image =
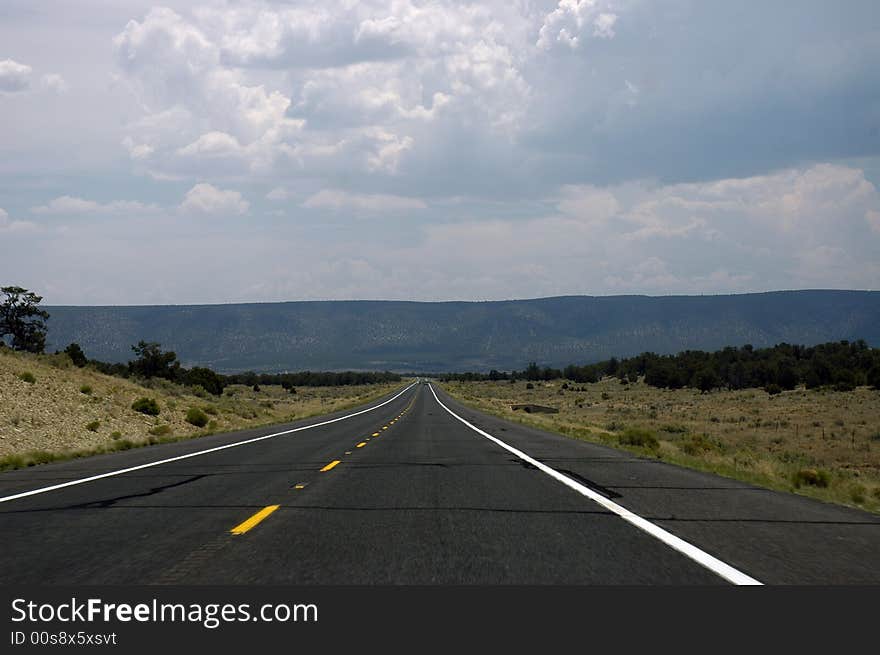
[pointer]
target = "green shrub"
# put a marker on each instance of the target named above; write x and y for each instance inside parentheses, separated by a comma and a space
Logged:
(212, 425)
(86, 389)
(196, 417)
(36, 457)
(857, 493)
(28, 377)
(210, 409)
(76, 354)
(205, 379)
(697, 444)
(12, 462)
(93, 426)
(529, 385)
(773, 389)
(811, 477)
(58, 360)
(639, 437)
(674, 429)
(116, 434)
(160, 430)
(146, 406)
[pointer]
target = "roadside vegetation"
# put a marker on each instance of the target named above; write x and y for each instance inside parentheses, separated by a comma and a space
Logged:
(66, 405)
(841, 366)
(60, 410)
(818, 442)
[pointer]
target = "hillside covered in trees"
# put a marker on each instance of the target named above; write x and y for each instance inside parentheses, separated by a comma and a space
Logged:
(464, 336)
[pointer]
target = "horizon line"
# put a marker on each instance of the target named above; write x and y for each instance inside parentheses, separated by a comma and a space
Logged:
(486, 301)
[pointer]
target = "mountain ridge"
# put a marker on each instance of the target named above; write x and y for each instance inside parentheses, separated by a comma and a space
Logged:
(408, 336)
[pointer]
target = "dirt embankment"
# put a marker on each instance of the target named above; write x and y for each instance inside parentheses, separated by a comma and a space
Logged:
(50, 408)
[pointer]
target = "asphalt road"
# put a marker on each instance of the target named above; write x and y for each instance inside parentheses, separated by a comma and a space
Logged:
(427, 501)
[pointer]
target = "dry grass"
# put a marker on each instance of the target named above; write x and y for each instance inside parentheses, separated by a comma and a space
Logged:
(823, 444)
(71, 412)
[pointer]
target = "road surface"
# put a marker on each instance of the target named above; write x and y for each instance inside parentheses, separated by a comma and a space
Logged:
(414, 488)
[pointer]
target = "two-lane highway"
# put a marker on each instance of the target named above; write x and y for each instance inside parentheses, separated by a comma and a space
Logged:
(414, 489)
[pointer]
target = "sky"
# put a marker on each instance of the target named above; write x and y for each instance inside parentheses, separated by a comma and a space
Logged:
(251, 151)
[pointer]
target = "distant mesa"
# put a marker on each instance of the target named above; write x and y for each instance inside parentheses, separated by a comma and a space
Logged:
(464, 336)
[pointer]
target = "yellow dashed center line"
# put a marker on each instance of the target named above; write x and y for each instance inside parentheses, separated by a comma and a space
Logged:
(260, 516)
(241, 528)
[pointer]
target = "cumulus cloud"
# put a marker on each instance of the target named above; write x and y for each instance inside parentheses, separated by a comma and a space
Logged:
(445, 95)
(71, 205)
(14, 77)
(603, 25)
(572, 20)
(137, 150)
(174, 69)
(212, 144)
(336, 199)
(366, 79)
(209, 200)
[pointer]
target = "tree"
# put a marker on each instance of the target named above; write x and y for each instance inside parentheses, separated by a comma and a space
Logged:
(612, 366)
(21, 318)
(874, 377)
(151, 362)
(532, 372)
(76, 354)
(706, 379)
(206, 378)
(786, 377)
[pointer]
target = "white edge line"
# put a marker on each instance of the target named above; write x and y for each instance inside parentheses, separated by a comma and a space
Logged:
(703, 558)
(71, 483)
